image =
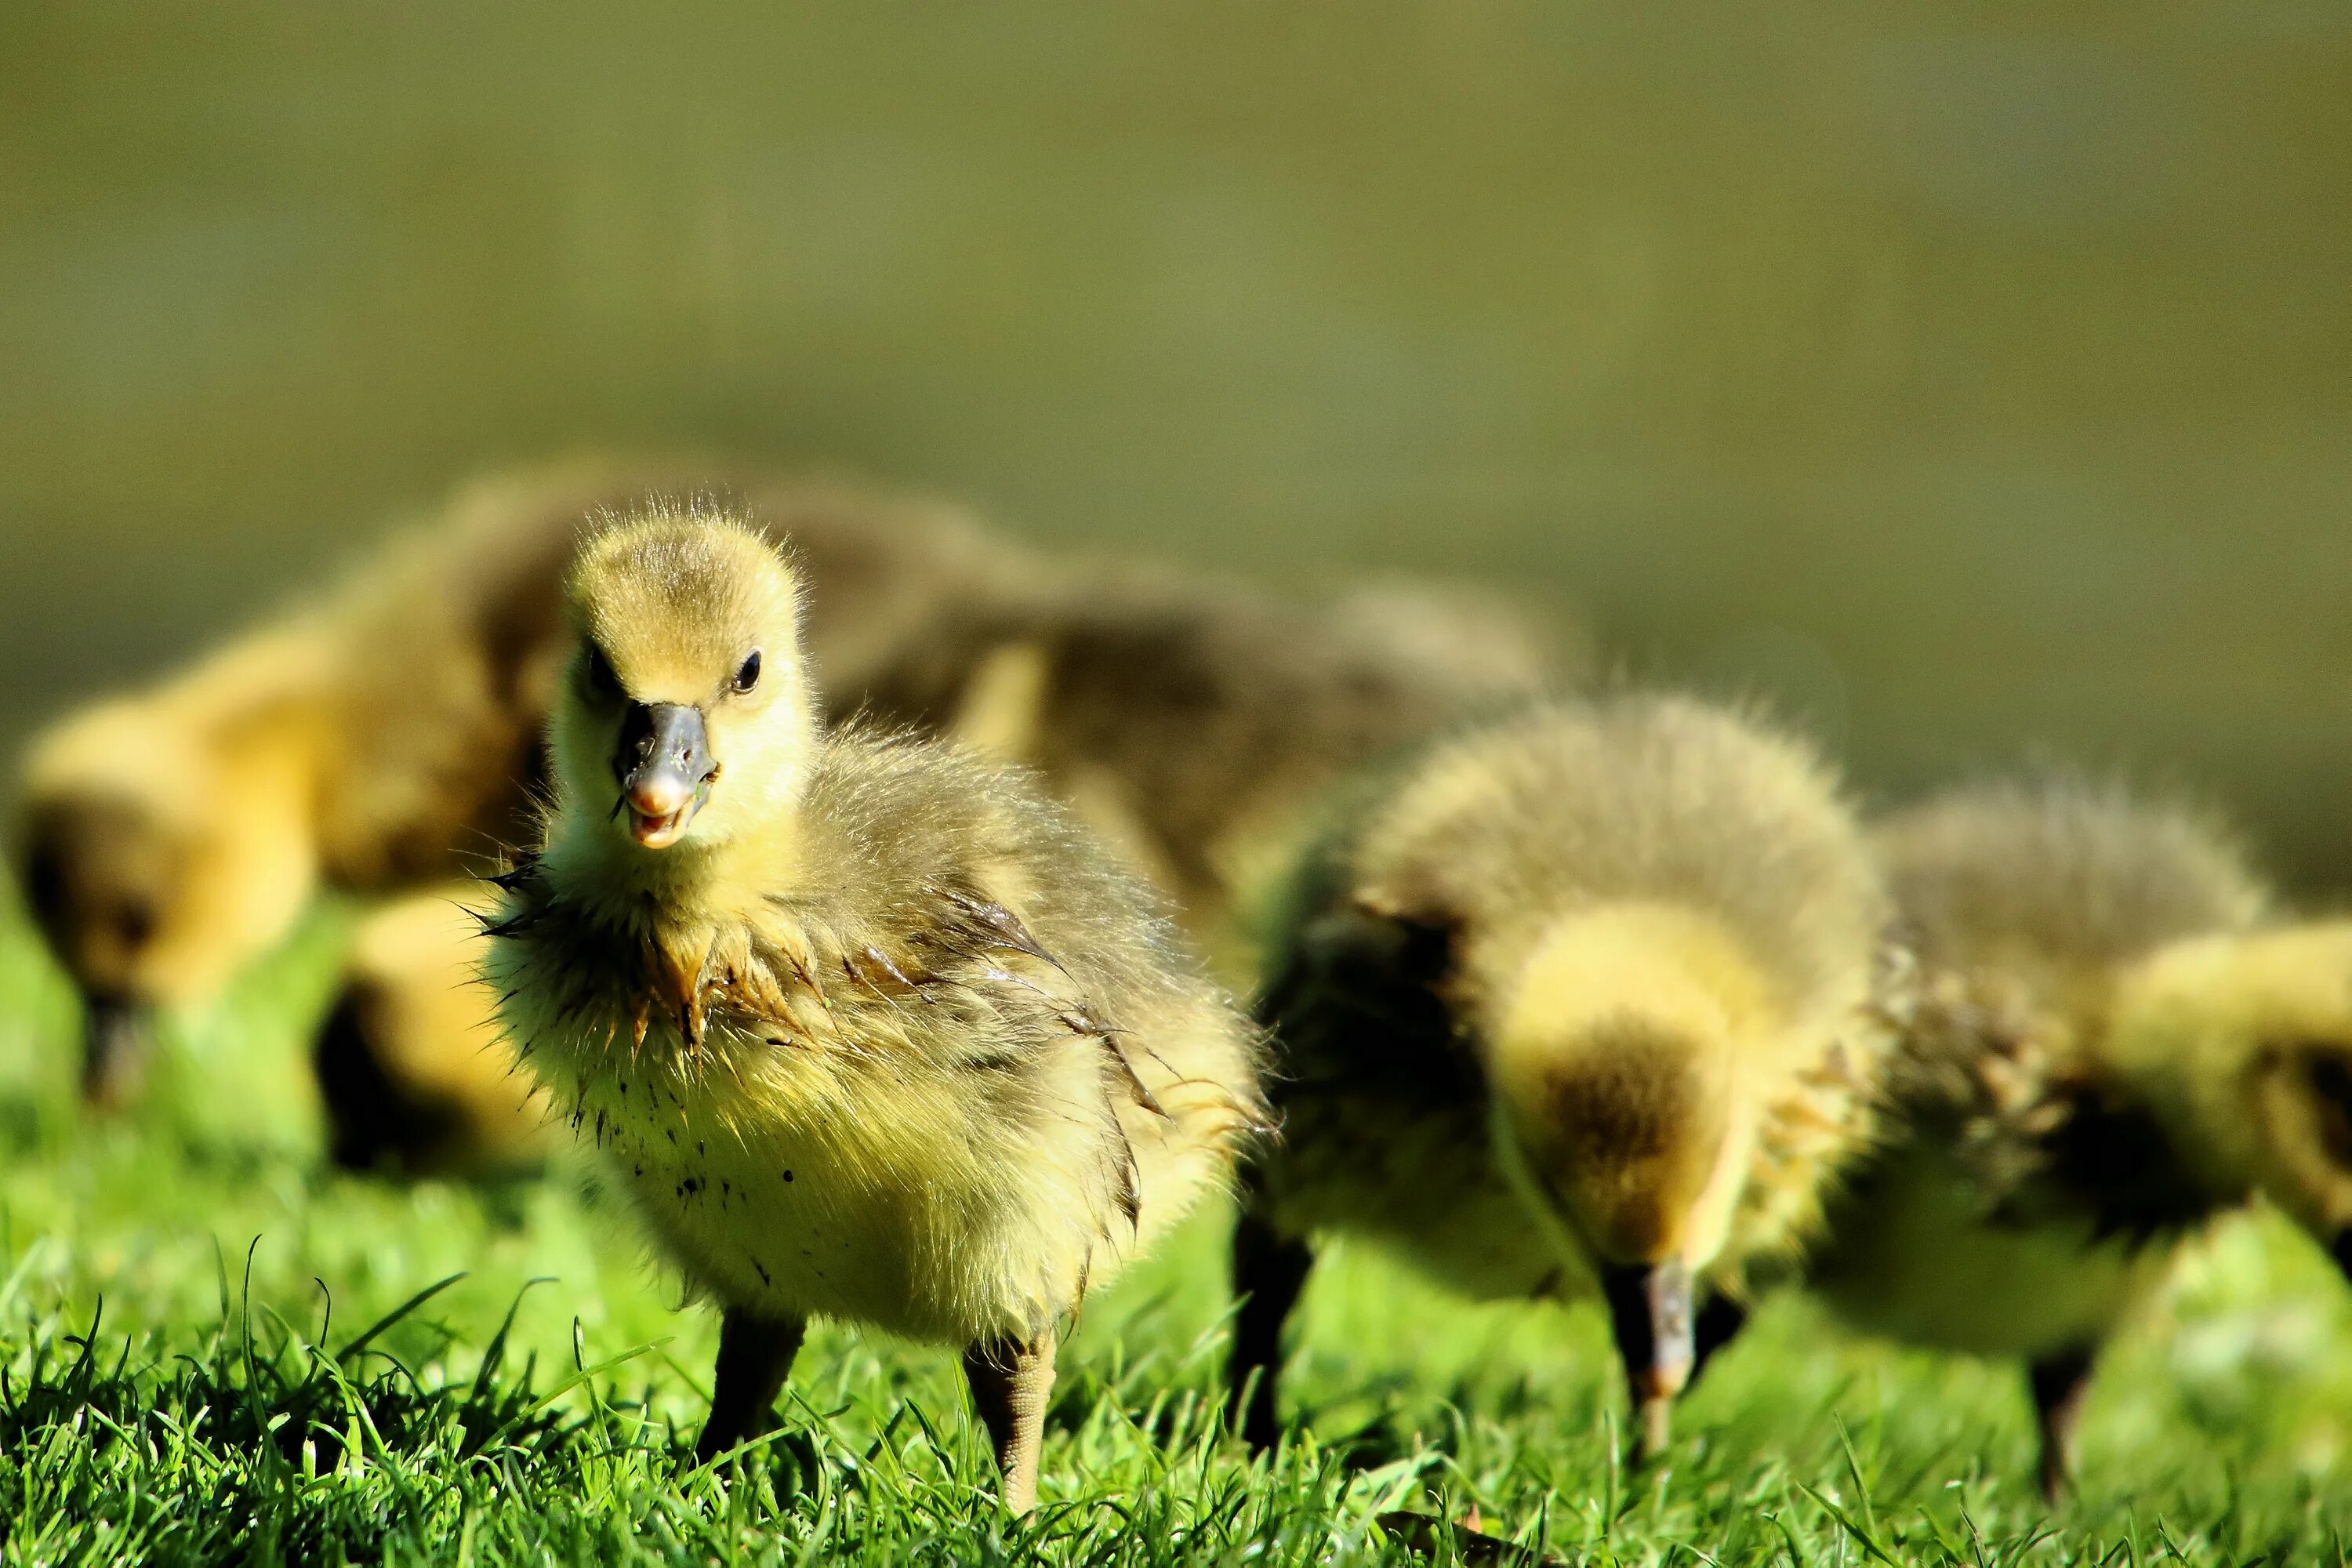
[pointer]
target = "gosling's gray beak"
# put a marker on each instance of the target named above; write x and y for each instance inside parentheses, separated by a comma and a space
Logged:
(116, 1035)
(663, 760)
(1650, 1306)
(2340, 1250)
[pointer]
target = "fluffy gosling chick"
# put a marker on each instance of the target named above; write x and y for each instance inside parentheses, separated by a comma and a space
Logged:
(866, 1027)
(1574, 1001)
(2103, 1053)
(160, 840)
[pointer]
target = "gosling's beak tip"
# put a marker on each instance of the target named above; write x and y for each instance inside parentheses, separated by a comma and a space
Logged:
(2340, 1250)
(658, 794)
(664, 764)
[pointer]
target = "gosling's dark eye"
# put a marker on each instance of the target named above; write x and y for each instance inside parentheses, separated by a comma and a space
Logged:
(45, 881)
(135, 922)
(747, 675)
(599, 676)
(2330, 1078)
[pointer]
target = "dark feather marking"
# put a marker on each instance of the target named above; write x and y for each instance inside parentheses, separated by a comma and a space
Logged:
(1136, 1087)
(1131, 1190)
(774, 953)
(875, 955)
(1001, 926)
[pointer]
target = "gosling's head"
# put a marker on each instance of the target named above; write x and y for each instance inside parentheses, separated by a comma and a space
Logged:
(2243, 1044)
(1619, 1104)
(155, 860)
(684, 719)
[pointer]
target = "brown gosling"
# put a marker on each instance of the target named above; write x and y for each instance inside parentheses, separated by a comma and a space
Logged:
(384, 734)
(2110, 1047)
(866, 1027)
(1575, 1001)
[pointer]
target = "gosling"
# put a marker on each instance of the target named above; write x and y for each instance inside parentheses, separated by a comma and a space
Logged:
(382, 735)
(866, 1027)
(2111, 1046)
(1575, 1001)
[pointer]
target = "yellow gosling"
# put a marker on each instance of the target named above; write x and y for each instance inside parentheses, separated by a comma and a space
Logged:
(1574, 1001)
(864, 1027)
(2105, 1051)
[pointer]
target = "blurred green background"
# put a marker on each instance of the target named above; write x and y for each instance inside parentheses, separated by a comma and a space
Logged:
(1976, 376)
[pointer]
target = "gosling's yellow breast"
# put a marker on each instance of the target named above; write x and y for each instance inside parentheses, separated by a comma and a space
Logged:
(881, 1098)
(792, 1177)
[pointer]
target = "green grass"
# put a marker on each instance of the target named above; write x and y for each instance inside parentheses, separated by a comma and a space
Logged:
(210, 1349)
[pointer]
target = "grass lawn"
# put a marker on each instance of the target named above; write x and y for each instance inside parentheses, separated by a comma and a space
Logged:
(210, 1349)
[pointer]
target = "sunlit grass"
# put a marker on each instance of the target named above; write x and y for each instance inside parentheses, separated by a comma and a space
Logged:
(210, 1349)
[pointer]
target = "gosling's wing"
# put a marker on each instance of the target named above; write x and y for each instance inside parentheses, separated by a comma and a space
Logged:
(1356, 1004)
(920, 949)
(1979, 1068)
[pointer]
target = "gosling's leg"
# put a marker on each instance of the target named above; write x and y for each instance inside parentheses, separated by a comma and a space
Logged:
(2059, 1382)
(1270, 1271)
(1650, 1311)
(755, 1355)
(1011, 1382)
